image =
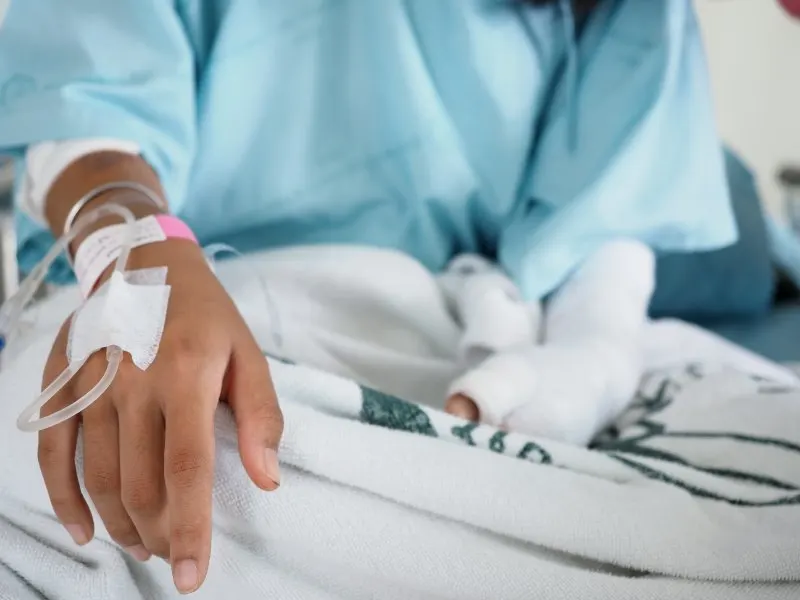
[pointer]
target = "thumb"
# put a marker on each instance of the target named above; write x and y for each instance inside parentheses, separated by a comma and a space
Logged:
(259, 420)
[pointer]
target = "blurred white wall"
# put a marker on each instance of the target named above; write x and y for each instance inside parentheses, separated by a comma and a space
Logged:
(754, 54)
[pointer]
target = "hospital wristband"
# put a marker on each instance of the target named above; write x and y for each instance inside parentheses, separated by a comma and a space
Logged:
(100, 249)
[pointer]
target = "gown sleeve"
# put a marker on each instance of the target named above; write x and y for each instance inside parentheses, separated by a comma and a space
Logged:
(121, 69)
(628, 148)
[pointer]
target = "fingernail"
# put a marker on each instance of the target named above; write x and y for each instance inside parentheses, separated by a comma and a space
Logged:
(78, 534)
(271, 467)
(184, 574)
(138, 552)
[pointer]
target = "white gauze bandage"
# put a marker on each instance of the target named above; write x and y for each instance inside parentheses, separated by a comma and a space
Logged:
(128, 312)
(488, 306)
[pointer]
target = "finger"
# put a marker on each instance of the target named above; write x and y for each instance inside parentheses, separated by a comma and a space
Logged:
(461, 406)
(56, 454)
(189, 473)
(144, 495)
(259, 420)
(101, 473)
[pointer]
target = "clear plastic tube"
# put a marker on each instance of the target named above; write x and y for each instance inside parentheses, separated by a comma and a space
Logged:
(12, 310)
(211, 252)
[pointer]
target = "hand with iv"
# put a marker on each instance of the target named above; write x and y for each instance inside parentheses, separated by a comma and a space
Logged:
(148, 442)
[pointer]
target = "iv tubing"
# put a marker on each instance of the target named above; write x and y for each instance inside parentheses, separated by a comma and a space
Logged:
(11, 312)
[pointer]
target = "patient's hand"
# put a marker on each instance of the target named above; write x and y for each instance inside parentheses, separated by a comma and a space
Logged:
(148, 443)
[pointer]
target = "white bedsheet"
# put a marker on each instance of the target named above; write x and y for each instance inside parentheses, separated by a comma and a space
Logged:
(696, 497)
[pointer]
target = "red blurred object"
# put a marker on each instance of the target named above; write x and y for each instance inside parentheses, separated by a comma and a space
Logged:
(792, 7)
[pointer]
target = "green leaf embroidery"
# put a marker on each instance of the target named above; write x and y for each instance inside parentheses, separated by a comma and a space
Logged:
(381, 409)
(497, 443)
(464, 432)
(535, 453)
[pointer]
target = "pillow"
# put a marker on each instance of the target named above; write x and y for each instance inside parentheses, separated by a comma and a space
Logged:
(733, 282)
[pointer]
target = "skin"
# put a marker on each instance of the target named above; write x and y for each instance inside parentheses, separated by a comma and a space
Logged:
(462, 406)
(149, 441)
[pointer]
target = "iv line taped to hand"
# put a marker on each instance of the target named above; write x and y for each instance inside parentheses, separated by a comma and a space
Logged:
(12, 310)
(107, 319)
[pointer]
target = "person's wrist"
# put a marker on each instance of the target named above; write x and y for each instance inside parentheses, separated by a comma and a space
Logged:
(172, 252)
(93, 172)
(175, 254)
(132, 200)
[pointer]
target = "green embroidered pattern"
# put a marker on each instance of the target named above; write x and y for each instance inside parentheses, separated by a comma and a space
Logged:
(627, 448)
(535, 453)
(627, 444)
(497, 442)
(464, 432)
(381, 409)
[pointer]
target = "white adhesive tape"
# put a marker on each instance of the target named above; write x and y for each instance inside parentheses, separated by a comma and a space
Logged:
(98, 251)
(128, 312)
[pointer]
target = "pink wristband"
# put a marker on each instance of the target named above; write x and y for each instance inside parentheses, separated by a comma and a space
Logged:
(175, 229)
(98, 251)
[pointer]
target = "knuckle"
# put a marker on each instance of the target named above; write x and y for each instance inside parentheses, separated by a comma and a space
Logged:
(268, 415)
(123, 533)
(129, 388)
(127, 375)
(142, 497)
(187, 345)
(185, 368)
(186, 468)
(159, 547)
(101, 483)
(155, 537)
(186, 534)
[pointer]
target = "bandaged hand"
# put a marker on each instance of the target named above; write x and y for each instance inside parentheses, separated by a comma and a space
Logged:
(148, 443)
(573, 378)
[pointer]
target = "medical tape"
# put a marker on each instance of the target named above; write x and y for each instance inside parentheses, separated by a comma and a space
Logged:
(129, 312)
(100, 249)
(125, 316)
(499, 385)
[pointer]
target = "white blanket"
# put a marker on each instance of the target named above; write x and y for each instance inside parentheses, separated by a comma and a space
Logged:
(695, 496)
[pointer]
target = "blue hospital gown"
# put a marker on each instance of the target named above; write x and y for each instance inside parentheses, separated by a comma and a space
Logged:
(429, 126)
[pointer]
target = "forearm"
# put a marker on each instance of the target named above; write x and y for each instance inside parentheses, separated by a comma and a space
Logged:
(94, 170)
